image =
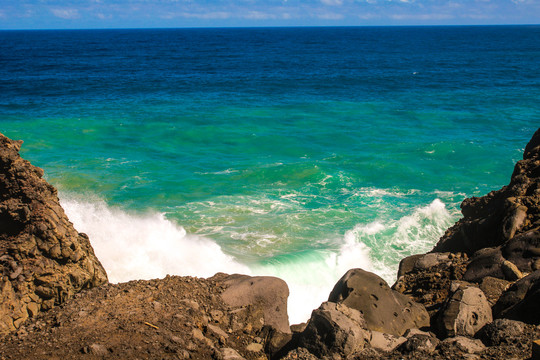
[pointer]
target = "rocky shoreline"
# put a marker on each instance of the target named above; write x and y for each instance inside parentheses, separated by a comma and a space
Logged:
(476, 295)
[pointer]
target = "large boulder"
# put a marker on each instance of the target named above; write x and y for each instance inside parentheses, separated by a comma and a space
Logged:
(496, 218)
(384, 309)
(464, 313)
(268, 293)
(335, 329)
(43, 260)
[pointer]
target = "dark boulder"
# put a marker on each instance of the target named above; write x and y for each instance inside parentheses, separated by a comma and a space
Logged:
(520, 301)
(334, 329)
(384, 309)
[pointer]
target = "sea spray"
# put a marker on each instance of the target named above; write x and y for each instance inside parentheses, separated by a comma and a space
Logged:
(144, 246)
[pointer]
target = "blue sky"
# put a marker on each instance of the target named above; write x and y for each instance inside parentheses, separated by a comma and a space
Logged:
(59, 14)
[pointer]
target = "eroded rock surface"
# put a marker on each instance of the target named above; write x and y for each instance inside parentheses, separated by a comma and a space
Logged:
(384, 309)
(43, 260)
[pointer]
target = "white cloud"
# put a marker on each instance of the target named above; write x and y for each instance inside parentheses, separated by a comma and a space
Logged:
(66, 13)
(330, 16)
(206, 16)
(332, 2)
(421, 16)
(103, 16)
(258, 15)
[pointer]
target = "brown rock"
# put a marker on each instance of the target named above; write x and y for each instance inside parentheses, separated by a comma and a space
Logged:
(334, 329)
(493, 219)
(36, 241)
(268, 292)
(384, 309)
(493, 288)
(464, 313)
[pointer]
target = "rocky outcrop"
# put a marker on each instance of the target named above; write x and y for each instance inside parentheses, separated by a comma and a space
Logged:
(43, 260)
(384, 309)
(507, 220)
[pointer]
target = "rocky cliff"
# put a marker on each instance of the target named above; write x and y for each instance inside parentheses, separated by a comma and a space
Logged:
(475, 296)
(44, 260)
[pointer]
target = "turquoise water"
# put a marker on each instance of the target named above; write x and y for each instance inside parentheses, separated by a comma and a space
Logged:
(298, 153)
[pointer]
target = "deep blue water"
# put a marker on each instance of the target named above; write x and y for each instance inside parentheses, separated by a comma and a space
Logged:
(296, 152)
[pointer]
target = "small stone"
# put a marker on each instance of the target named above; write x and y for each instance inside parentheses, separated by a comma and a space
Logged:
(97, 349)
(465, 344)
(197, 334)
(254, 347)
(230, 354)
(216, 330)
(32, 309)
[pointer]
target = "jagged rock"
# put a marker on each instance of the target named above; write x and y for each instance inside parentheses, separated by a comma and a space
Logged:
(427, 278)
(520, 301)
(43, 260)
(501, 331)
(334, 329)
(494, 219)
(384, 309)
(270, 293)
(464, 313)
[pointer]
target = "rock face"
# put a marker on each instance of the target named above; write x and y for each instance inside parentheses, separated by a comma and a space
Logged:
(43, 259)
(507, 221)
(384, 309)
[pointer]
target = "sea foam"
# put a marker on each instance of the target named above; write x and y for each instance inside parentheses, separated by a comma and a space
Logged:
(145, 246)
(132, 246)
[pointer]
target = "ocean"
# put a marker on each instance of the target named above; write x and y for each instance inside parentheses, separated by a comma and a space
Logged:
(291, 152)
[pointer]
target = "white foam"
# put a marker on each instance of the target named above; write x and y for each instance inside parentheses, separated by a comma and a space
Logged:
(147, 246)
(144, 246)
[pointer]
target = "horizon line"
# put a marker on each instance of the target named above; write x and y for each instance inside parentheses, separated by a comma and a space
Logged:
(265, 27)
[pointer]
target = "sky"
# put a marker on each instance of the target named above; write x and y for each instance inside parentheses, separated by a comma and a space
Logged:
(82, 14)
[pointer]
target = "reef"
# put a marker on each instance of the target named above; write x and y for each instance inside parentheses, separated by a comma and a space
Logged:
(476, 295)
